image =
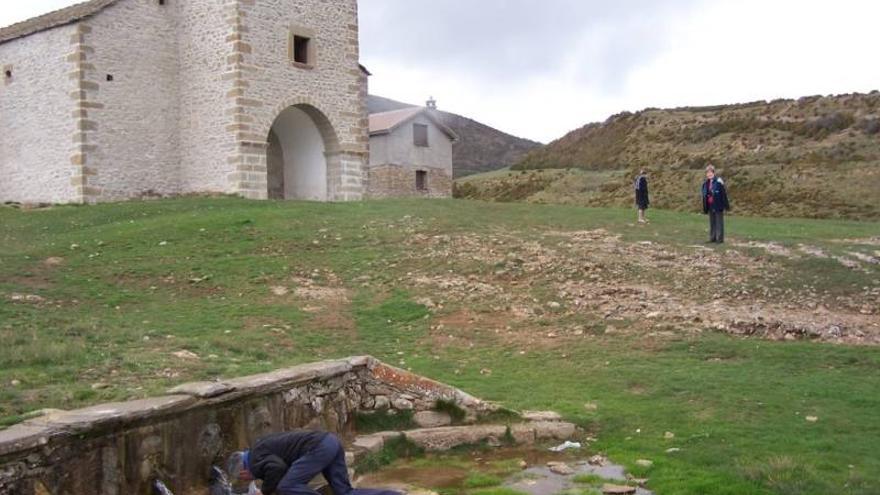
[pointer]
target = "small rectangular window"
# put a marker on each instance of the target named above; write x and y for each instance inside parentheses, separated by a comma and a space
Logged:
(421, 180)
(301, 50)
(420, 135)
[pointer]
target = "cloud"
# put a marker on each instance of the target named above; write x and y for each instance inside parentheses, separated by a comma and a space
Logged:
(504, 40)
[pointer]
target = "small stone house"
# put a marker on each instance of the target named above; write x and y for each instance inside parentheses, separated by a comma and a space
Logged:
(114, 99)
(410, 154)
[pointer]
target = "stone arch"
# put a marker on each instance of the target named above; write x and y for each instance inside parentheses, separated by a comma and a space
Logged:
(302, 152)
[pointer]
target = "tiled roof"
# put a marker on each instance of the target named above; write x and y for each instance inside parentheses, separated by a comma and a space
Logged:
(387, 122)
(53, 19)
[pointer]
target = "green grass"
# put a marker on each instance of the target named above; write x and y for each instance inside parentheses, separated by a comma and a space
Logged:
(141, 281)
(377, 421)
(481, 480)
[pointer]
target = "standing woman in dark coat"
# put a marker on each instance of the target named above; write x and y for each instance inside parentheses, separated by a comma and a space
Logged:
(715, 203)
(642, 201)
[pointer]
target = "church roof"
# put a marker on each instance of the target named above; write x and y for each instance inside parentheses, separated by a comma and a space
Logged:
(53, 19)
(388, 122)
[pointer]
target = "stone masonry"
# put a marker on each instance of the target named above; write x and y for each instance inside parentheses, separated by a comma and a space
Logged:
(119, 448)
(117, 99)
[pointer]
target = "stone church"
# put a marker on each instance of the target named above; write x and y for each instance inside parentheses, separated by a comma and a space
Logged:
(115, 99)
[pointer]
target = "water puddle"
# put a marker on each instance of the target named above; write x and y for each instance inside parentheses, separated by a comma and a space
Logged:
(449, 473)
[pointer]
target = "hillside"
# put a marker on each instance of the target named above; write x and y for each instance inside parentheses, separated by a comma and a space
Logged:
(813, 157)
(480, 148)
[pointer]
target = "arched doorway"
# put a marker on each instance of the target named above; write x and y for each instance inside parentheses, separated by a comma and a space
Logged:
(299, 142)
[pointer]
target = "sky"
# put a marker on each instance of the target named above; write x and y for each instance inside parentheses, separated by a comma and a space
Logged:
(540, 68)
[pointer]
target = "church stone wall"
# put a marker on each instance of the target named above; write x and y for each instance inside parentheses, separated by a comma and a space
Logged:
(36, 126)
(135, 138)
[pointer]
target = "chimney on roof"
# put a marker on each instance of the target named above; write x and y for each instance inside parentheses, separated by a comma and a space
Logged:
(431, 104)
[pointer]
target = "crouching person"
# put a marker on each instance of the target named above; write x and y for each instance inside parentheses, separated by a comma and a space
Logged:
(287, 462)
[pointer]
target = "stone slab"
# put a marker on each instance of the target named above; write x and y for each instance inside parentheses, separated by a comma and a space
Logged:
(555, 430)
(541, 416)
(202, 390)
(445, 438)
(281, 378)
(432, 419)
(23, 437)
(94, 417)
(370, 443)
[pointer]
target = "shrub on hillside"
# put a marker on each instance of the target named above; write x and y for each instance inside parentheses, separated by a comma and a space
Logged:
(827, 124)
(870, 126)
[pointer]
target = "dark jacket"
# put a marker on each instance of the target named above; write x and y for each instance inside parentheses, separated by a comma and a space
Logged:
(272, 455)
(719, 195)
(641, 186)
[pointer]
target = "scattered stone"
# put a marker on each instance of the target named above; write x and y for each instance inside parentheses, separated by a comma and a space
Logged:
(15, 383)
(523, 464)
(673, 450)
(669, 435)
(53, 261)
(560, 468)
(432, 419)
(610, 489)
(644, 463)
(554, 305)
(812, 419)
(188, 355)
(597, 460)
(591, 406)
(27, 298)
(639, 481)
(100, 386)
(280, 290)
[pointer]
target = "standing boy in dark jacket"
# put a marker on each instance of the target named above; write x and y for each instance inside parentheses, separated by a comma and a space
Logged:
(287, 462)
(642, 201)
(715, 203)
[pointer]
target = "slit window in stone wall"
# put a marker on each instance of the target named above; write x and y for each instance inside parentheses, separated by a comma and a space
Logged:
(421, 180)
(7, 72)
(301, 47)
(161, 2)
(420, 135)
(109, 77)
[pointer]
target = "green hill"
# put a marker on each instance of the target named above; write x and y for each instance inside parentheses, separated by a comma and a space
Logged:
(812, 157)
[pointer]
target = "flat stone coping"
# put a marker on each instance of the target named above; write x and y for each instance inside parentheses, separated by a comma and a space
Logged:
(272, 380)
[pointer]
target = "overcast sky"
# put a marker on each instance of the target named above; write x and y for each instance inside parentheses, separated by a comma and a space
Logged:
(540, 68)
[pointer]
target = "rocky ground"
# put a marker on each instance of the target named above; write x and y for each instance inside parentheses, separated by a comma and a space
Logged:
(535, 287)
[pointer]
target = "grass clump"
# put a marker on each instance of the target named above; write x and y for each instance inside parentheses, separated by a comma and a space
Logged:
(387, 420)
(481, 480)
(395, 448)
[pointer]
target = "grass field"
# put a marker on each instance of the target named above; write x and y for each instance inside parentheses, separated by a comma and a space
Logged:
(121, 301)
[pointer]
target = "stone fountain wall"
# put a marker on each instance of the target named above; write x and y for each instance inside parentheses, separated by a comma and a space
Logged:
(118, 449)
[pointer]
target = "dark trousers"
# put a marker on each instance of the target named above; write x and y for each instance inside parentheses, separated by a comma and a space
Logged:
(716, 226)
(327, 458)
